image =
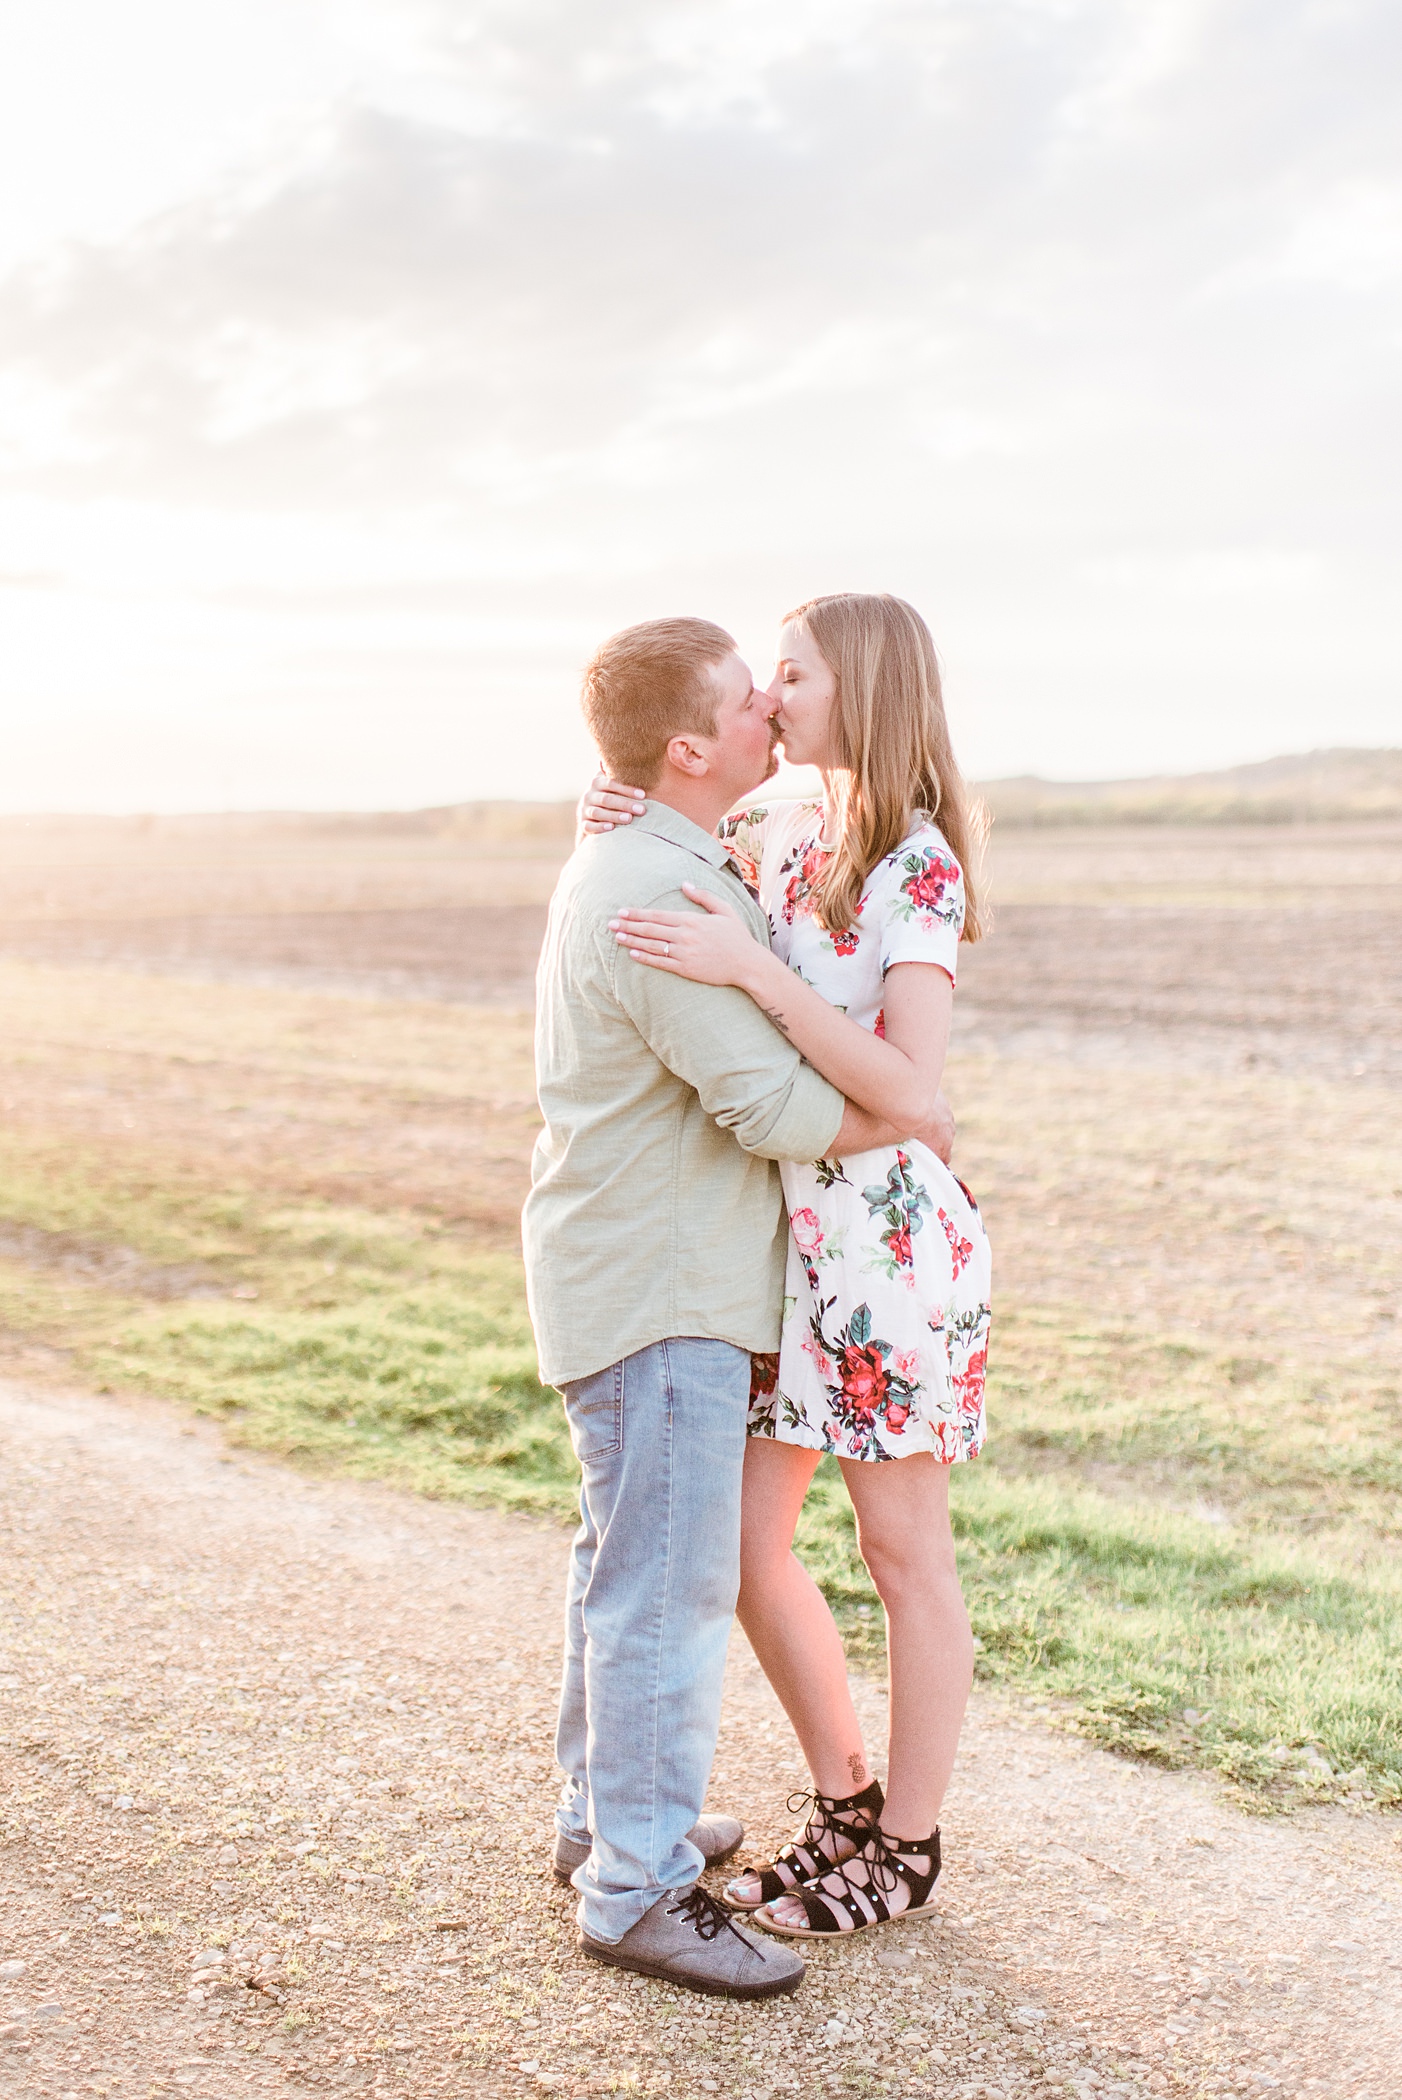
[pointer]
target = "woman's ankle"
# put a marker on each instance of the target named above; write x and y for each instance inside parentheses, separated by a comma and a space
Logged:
(844, 1782)
(903, 1829)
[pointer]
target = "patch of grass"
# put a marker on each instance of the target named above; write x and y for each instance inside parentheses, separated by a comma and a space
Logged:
(386, 1350)
(428, 1381)
(1154, 1634)
(1269, 1437)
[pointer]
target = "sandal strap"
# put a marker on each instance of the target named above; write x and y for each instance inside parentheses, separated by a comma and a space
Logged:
(819, 1909)
(849, 1816)
(888, 1866)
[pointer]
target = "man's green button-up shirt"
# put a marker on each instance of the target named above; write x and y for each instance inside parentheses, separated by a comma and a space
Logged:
(655, 1206)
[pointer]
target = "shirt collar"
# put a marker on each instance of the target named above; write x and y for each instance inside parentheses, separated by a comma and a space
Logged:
(667, 823)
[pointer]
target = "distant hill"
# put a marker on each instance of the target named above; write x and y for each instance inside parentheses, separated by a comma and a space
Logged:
(1313, 787)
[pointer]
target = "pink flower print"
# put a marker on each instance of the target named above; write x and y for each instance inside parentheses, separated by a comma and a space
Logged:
(969, 1383)
(896, 1417)
(822, 1362)
(879, 1025)
(846, 942)
(927, 885)
(799, 887)
(807, 1232)
(959, 1248)
(865, 1380)
(908, 1363)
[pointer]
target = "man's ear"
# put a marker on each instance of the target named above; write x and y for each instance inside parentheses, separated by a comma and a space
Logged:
(687, 757)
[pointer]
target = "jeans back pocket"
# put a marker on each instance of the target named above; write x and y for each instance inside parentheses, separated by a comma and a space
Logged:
(594, 1411)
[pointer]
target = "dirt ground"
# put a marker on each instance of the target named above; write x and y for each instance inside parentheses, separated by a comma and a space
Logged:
(1218, 949)
(265, 1738)
(298, 1724)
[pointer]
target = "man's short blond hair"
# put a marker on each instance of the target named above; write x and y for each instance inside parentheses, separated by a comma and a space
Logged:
(647, 685)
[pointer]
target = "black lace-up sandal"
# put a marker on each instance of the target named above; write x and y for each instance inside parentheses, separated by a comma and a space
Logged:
(856, 1895)
(837, 1826)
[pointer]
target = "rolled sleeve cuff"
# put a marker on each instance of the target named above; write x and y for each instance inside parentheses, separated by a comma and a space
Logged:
(808, 1121)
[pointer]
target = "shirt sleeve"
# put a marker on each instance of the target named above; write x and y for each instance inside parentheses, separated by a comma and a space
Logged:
(922, 912)
(743, 1071)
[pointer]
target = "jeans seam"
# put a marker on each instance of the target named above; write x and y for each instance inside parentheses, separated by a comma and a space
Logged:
(664, 1606)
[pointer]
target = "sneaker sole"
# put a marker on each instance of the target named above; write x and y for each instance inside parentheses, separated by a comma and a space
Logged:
(719, 1860)
(601, 1951)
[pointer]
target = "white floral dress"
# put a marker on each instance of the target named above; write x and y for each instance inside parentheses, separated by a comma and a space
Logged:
(886, 1307)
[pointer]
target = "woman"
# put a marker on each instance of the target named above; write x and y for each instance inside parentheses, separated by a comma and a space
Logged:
(886, 1314)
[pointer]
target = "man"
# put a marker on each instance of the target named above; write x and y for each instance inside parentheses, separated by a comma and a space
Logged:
(655, 1239)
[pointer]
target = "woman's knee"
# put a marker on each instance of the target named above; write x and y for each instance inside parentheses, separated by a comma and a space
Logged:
(902, 1565)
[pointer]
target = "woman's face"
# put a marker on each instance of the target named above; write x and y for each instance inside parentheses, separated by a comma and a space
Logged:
(804, 690)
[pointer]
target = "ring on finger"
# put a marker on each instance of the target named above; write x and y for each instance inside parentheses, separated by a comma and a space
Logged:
(666, 948)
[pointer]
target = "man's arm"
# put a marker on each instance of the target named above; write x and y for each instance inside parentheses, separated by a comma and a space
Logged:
(863, 1132)
(715, 1038)
(745, 1072)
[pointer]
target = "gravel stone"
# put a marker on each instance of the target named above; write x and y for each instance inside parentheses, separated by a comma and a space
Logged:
(1077, 1888)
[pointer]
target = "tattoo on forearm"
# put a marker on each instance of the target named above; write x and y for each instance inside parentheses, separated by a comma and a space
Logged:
(776, 1016)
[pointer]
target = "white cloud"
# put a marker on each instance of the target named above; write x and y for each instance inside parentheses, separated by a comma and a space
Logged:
(1073, 321)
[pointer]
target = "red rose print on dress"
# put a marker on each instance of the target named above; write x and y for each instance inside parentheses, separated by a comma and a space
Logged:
(808, 1238)
(864, 1380)
(764, 1375)
(959, 1248)
(869, 1392)
(927, 890)
(930, 891)
(970, 1382)
(803, 868)
(886, 1319)
(899, 1201)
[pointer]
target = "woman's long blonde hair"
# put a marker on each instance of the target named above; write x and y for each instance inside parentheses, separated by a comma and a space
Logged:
(891, 743)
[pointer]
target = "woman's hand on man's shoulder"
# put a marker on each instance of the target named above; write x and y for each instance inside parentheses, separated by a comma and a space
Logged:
(606, 804)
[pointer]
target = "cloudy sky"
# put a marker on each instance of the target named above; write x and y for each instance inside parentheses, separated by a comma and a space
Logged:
(363, 362)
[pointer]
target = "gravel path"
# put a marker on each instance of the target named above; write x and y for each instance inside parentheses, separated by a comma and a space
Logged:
(264, 1737)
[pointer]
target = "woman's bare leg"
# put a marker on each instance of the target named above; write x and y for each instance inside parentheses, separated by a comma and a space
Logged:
(788, 1622)
(905, 1538)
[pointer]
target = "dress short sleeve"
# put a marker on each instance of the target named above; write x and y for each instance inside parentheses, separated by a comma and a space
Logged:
(742, 835)
(922, 911)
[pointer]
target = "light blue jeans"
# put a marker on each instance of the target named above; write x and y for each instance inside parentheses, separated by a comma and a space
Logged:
(654, 1573)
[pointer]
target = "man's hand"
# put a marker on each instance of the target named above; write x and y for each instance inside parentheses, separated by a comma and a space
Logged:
(939, 1133)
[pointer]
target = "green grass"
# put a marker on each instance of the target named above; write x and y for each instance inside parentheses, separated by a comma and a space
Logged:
(1152, 1633)
(386, 1348)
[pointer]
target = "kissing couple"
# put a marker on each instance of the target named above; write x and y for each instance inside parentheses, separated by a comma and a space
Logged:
(745, 1250)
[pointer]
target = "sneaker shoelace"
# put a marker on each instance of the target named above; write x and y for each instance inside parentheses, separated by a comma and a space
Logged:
(710, 1918)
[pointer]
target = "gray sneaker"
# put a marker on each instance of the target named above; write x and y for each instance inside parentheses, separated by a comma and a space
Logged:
(690, 1939)
(715, 1838)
